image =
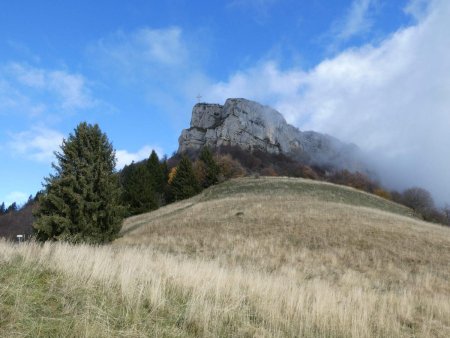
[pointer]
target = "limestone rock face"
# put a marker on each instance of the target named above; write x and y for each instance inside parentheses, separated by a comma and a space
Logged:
(250, 125)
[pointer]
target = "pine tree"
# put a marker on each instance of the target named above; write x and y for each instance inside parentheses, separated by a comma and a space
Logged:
(2, 208)
(138, 189)
(80, 202)
(212, 168)
(184, 183)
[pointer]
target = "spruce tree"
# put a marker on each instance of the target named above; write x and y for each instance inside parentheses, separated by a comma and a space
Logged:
(212, 168)
(184, 183)
(138, 189)
(156, 171)
(80, 202)
(166, 188)
(2, 209)
(165, 169)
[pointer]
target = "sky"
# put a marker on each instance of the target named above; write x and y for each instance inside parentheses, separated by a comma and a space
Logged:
(370, 72)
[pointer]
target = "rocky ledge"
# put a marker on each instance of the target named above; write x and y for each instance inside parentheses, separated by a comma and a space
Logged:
(252, 126)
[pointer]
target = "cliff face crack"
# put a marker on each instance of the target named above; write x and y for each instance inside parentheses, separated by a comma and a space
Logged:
(250, 125)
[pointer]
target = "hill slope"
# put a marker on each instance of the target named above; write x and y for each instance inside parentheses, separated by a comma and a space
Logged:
(250, 257)
(272, 203)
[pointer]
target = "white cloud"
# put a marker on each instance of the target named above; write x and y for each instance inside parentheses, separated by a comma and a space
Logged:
(31, 91)
(70, 90)
(162, 45)
(15, 196)
(417, 8)
(392, 99)
(37, 144)
(125, 157)
(358, 20)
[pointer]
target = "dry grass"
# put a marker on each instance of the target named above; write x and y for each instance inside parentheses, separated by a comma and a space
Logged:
(272, 261)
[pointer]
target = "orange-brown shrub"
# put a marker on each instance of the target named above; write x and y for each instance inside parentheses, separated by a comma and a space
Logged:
(382, 193)
(308, 172)
(229, 168)
(268, 171)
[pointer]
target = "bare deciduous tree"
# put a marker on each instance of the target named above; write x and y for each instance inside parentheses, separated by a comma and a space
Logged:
(418, 199)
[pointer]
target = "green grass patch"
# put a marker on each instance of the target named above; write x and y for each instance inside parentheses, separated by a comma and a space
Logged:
(280, 186)
(38, 302)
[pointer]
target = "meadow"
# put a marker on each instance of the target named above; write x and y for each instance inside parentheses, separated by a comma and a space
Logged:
(267, 257)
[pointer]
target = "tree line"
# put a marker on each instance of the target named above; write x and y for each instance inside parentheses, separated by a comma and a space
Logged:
(85, 200)
(14, 206)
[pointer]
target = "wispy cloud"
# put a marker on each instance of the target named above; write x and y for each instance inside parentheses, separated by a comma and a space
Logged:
(70, 89)
(391, 99)
(417, 8)
(125, 157)
(38, 143)
(29, 90)
(357, 21)
(163, 65)
(142, 52)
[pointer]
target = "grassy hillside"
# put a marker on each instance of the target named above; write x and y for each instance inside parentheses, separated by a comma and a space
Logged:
(251, 257)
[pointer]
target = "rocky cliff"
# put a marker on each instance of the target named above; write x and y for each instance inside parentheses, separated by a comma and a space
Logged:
(250, 125)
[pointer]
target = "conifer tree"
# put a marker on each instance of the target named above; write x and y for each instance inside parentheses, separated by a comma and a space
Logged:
(80, 202)
(165, 169)
(212, 168)
(2, 208)
(184, 183)
(156, 171)
(138, 189)
(13, 207)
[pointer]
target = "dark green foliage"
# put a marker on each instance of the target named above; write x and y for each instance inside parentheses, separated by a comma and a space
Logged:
(184, 184)
(143, 185)
(12, 208)
(2, 209)
(212, 169)
(165, 169)
(138, 184)
(81, 200)
(156, 172)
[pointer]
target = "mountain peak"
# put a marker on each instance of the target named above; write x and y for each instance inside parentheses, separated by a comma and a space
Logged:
(253, 126)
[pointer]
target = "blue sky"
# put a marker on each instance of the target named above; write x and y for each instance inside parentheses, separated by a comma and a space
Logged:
(366, 71)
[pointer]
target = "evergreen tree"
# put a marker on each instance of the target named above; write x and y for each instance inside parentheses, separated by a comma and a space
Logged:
(12, 208)
(29, 201)
(2, 208)
(138, 189)
(184, 183)
(165, 169)
(212, 168)
(156, 171)
(80, 202)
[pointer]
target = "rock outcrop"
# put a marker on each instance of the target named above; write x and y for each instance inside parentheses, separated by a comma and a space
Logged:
(252, 126)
